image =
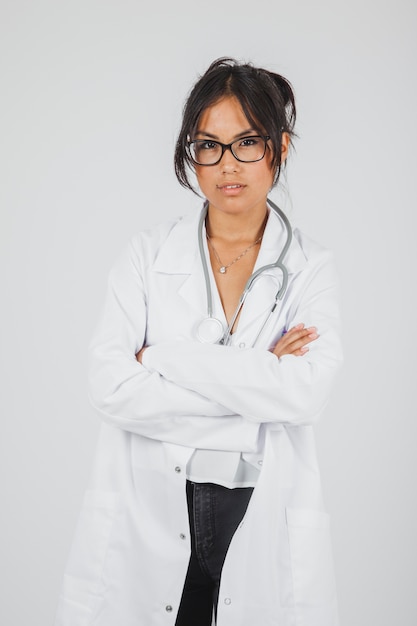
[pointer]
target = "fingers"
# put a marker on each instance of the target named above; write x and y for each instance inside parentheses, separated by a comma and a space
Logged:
(295, 341)
(140, 354)
(300, 344)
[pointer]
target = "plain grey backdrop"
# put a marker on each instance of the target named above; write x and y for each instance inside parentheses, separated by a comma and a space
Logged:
(91, 98)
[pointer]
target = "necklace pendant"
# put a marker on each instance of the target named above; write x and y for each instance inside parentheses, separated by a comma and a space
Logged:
(222, 270)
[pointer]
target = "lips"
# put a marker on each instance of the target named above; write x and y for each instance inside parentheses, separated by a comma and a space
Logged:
(230, 186)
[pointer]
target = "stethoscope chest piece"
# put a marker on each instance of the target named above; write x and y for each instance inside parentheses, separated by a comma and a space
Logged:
(210, 330)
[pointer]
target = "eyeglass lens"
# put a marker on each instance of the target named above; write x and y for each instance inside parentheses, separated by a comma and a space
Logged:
(247, 149)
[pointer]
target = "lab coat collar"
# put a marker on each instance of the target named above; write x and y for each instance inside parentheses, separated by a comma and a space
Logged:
(273, 241)
(179, 252)
(180, 255)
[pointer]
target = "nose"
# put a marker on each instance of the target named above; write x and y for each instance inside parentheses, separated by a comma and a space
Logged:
(228, 162)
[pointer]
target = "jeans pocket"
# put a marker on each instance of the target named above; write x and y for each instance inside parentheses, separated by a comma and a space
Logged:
(311, 557)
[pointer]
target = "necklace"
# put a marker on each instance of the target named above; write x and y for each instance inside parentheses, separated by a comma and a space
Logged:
(223, 268)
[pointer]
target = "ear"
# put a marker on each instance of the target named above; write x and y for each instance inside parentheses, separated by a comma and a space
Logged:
(285, 146)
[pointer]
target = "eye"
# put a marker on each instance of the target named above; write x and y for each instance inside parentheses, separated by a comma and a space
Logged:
(249, 142)
(206, 144)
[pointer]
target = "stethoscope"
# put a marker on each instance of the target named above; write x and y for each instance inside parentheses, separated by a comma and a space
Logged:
(211, 329)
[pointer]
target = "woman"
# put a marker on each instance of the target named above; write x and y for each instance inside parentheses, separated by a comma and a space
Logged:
(205, 498)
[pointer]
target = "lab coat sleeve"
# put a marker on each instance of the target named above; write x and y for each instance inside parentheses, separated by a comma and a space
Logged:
(254, 382)
(128, 396)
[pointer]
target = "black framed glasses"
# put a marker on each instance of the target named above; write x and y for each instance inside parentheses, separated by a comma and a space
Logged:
(246, 149)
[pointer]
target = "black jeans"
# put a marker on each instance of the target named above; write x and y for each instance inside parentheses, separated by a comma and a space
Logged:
(214, 514)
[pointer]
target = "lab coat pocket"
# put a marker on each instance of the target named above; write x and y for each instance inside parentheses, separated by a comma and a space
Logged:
(311, 557)
(82, 585)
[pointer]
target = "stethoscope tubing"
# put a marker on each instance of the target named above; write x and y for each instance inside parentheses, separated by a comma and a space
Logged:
(224, 337)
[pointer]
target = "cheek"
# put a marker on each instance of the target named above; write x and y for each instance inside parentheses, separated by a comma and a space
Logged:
(268, 161)
(204, 176)
(265, 174)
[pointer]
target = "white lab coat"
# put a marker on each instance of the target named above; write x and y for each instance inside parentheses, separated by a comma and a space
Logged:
(131, 547)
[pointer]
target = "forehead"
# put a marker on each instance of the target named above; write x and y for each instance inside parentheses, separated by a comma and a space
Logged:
(225, 116)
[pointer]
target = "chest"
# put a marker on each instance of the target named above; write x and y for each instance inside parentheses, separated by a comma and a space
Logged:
(176, 304)
(231, 277)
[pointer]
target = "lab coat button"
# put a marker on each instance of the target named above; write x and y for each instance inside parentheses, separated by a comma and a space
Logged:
(260, 462)
(168, 608)
(182, 536)
(242, 345)
(227, 601)
(178, 469)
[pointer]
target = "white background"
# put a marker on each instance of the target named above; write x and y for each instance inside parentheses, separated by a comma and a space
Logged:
(91, 98)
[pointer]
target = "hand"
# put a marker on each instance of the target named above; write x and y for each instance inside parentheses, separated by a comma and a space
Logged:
(295, 341)
(140, 353)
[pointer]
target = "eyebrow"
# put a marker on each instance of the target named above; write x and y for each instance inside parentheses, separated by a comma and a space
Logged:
(245, 133)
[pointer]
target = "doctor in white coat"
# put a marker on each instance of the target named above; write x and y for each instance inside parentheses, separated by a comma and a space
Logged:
(204, 501)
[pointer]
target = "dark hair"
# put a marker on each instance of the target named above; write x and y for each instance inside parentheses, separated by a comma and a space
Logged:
(267, 100)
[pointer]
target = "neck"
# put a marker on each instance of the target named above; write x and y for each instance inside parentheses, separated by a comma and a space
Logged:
(235, 228)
